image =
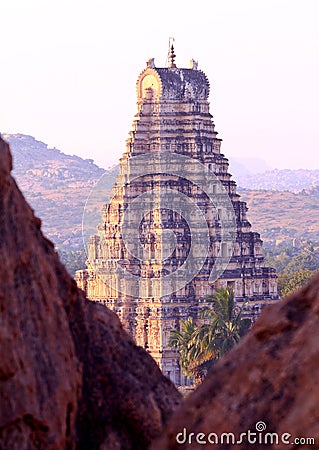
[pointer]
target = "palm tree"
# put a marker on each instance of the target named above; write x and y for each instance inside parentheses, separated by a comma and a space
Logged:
(182, 340)
(223, 326)
(200, 346)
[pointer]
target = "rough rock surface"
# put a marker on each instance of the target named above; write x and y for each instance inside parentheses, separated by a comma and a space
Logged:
(70, 377)
(271, 376)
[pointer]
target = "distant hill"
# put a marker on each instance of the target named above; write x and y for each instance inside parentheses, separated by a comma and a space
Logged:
(241, 167)
(283, 215)
(57, 187)
(280, 180)
(55, 184)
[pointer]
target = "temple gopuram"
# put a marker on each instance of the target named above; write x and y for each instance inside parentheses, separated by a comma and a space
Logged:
(175, 229)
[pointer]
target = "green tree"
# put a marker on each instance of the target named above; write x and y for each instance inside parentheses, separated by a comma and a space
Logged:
(307, 260)
(289, 261)
(279, 261)
(289, 283)
(73, 260)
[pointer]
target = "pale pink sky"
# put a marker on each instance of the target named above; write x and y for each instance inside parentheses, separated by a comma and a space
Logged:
(69, 69)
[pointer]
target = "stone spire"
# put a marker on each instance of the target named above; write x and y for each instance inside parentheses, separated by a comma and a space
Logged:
(173, 157)
(171, 58)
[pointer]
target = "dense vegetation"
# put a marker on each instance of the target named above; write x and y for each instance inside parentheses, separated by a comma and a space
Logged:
(294, 265)
(73, 260)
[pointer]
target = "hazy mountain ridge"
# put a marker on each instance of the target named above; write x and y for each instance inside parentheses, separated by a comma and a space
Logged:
(282, 215)
(281, 180)
(57, 186)
(36, 158)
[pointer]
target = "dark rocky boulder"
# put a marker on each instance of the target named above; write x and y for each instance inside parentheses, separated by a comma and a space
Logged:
(70, 377)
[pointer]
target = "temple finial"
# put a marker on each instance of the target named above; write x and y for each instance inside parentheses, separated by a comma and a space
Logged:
(193, 64)
(171, 58)
(150, 63)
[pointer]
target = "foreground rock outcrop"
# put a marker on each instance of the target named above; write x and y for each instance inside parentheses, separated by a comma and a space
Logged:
(270, 377)
(70, 377)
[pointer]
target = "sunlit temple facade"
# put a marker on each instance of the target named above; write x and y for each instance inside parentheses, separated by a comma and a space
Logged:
(131, 265)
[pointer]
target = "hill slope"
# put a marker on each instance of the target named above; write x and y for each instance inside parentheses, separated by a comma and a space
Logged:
(282, 215)
(56, 185)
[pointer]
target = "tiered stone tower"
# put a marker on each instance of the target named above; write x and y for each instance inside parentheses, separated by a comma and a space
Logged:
(129, 277)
